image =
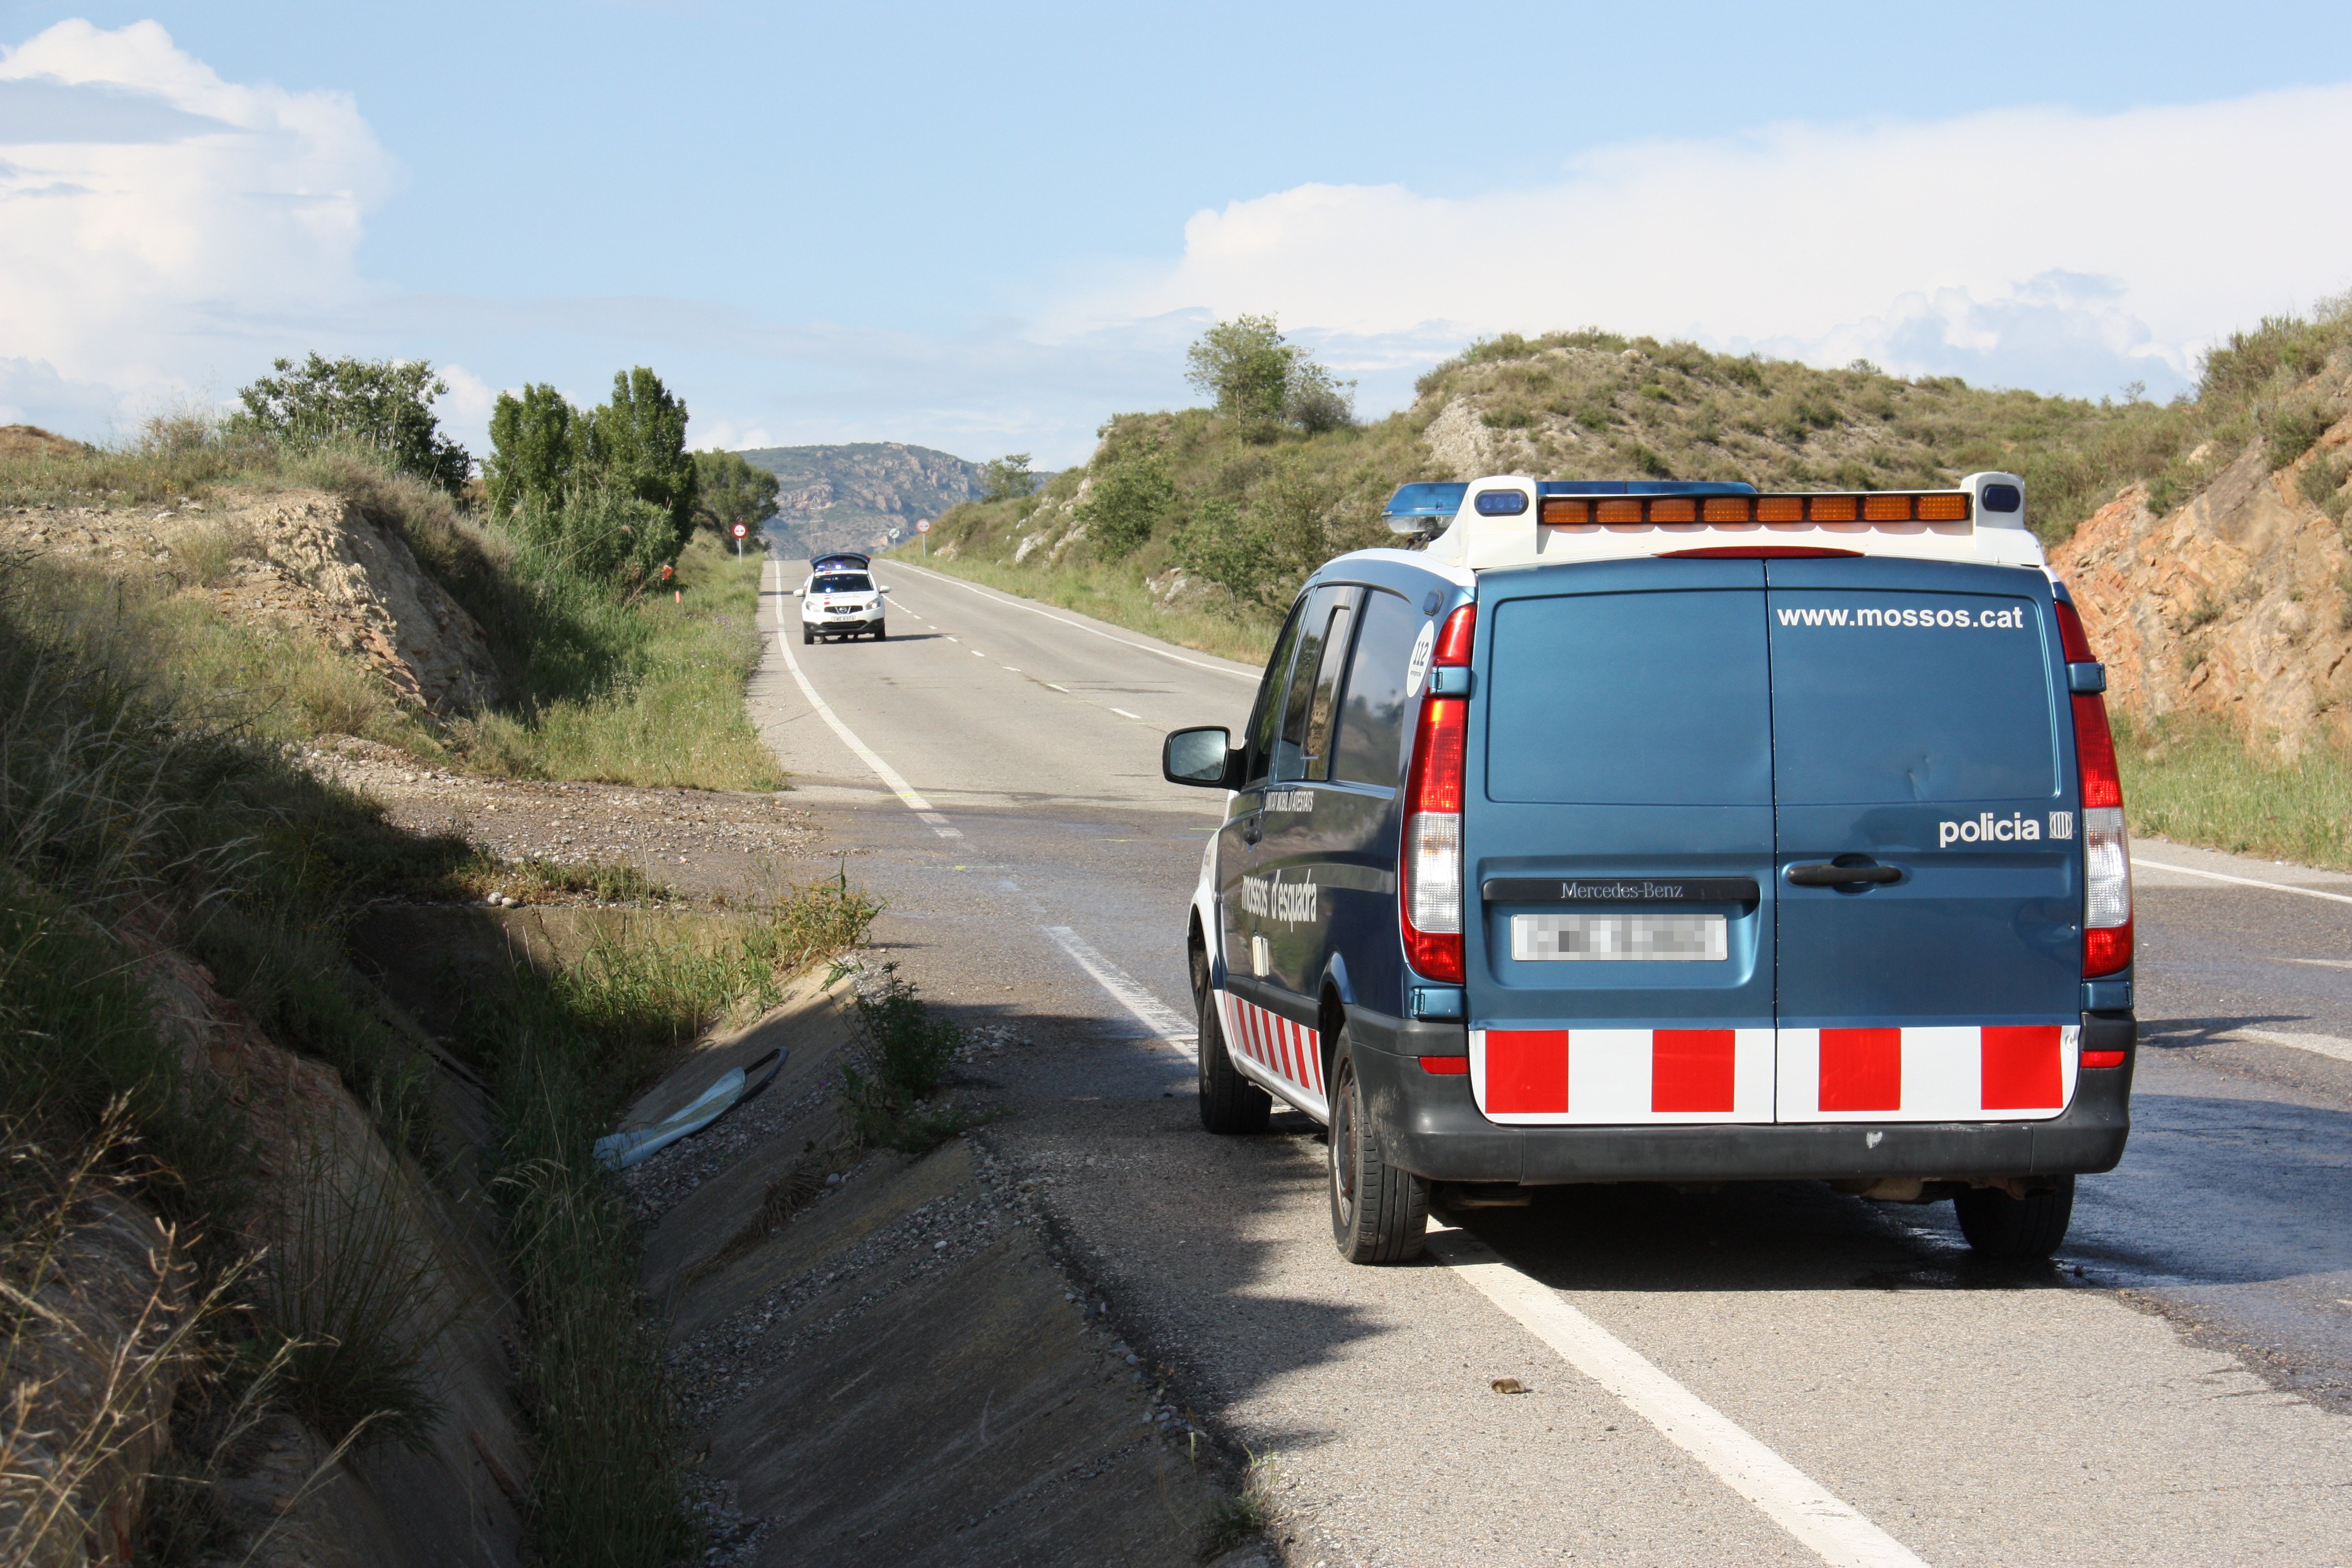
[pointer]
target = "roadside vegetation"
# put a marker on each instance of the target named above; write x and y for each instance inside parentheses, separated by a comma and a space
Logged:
(592, 556)
(154, 816)
(2194, 780)
(1197, 525)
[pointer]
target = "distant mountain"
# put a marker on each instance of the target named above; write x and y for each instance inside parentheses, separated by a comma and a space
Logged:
(850, 497)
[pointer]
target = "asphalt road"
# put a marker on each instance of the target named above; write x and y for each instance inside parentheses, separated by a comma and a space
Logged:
(1770, 1373)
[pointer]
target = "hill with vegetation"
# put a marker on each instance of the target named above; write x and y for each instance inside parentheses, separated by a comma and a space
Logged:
(849, 497)
(2205, 537)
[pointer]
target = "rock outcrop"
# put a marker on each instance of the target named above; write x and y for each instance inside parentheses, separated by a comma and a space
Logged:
(2235, 605)
(303, 559)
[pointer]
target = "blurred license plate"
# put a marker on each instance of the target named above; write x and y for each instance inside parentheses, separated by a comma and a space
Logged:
(1617, 937)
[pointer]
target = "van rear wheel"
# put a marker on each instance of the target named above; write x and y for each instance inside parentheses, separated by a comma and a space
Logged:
(1379, 1213)
(2032, 1226)
(1229, 1102)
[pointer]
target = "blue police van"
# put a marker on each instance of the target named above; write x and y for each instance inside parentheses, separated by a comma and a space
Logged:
(1661, 831)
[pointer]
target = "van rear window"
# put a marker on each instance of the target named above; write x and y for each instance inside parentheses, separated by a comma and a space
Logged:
(1630, 699)
(1880, 697)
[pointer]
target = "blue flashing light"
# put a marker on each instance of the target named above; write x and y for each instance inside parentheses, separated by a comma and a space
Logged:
(1430, 499)
(1502, 503)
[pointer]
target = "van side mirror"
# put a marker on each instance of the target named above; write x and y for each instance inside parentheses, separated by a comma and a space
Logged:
(1205, 756)
(881, 587)
(800, 593)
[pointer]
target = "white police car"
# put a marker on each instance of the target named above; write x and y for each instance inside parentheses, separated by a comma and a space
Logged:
(840, 599)
(1677, 833)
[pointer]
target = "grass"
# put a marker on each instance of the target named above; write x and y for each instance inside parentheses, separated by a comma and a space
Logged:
(650, 693)
(1109, 594)
(2194, 780)
(564, 1052)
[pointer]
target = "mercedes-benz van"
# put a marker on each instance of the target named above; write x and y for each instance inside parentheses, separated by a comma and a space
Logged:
(1676, 833)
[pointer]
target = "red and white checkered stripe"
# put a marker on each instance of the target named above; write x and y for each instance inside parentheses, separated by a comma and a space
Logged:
(1995, 1073)
(1616, 1077)
(1292, 1052)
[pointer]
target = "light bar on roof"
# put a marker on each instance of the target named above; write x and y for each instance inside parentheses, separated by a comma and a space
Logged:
(1860, 509)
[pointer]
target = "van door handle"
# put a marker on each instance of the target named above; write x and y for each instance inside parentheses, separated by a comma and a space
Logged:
(1822, 874)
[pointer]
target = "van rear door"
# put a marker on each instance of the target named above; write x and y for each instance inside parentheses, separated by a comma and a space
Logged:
(1930, 895)
(1618, 844)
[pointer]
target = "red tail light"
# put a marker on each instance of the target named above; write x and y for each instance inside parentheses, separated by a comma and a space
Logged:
(2071, 636)
(1453, 642)
(1429, 901)
(2106, 845)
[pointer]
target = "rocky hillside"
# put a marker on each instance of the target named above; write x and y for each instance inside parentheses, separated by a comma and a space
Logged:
(849, 497)
(2232, 598)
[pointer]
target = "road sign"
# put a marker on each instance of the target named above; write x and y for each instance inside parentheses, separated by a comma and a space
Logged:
(922, 525)
(740, 530)
(894, 534)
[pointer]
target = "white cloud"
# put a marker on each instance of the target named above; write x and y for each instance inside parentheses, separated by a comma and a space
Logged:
(158, 223)
(2062, 250)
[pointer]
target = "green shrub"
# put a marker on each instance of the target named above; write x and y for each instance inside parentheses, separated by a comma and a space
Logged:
(2295, 429)
(895, 1068)
(1130, 500)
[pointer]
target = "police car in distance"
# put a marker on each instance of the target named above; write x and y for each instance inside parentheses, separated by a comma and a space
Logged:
(1674, 832)
(840, 599)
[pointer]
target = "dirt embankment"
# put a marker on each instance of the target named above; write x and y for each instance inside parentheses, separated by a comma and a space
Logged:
(306, 561)
(113, 1358)
(889, 1358)
(2235, 605)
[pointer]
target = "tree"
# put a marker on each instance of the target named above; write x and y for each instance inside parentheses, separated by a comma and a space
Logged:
(1262, 383)
(1007, 477)
(1244, 366)
(636, 442)
(1126, 503)
(535, 442)
(380, 406)
(728, 490)
(1316, 400)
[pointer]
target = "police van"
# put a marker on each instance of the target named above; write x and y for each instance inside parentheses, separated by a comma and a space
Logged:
(1664, 832)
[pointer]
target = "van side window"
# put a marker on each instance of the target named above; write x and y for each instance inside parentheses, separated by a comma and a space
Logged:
(1266, 714)
(1322, 709)
(1313, 636)
(1370, 745)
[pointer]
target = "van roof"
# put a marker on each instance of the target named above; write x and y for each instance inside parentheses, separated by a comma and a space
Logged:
(1514, 520)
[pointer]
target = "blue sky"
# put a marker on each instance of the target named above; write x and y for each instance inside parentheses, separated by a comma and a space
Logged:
(987, 229)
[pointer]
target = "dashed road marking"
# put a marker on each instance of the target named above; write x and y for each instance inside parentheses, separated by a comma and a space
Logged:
(1827, 1527)
(1063, 690)
(1168, 1026)
(1125, 714)
(866, 754)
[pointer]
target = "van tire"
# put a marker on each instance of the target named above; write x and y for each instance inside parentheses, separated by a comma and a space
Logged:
(1379, 1213)
(1998, 1226)
(807, 637)
(1229, 1103)
(881, 632)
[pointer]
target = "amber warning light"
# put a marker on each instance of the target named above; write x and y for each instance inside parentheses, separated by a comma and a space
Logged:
(1864, 511)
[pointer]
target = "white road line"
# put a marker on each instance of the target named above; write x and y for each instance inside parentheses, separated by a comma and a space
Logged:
(1825, 1526)
(2325, 962)
(1125, 714)
(977, 654)
(882, 770)
(1168, 1026)
(1080, 625)
(2138, 859)
(1063, 689)
(2319, 1044)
